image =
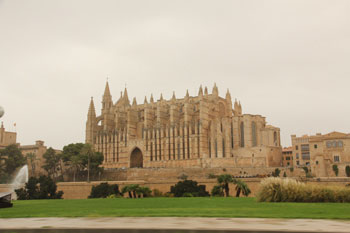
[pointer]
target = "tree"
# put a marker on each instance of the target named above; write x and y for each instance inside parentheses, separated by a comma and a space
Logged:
(11, 158)
(52, 162)
(335, 169)
(347, 170)
(241, 186)
(186, 187)
(127, 189)
(39, 188)
(224, 181)
(217, 191)
(31, 157)
(78, 156)
(104, 190)
(276, 173)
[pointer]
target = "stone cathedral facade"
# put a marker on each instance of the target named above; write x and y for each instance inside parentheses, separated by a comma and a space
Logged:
(194, 131)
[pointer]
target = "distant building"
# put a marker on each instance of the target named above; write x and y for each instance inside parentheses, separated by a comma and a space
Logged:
(194, 131)
(35, 160)
(33, 153)
(320, 152)
(287, 156)
(7, 138)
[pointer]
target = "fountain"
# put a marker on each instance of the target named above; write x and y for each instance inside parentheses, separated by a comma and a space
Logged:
(20, 180)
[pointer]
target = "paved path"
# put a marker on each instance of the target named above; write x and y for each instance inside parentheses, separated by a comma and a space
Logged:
(167, 223)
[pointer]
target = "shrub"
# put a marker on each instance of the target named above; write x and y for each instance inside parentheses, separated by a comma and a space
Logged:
(157, 193)
(217, 191)
(211, 176)
(335, 169)
(39, 188)
(347, 170)
(276, 173)
(137, 191)
(290, 190)
(188, 186)
(104, 190)
(284, 174)
(183, 177)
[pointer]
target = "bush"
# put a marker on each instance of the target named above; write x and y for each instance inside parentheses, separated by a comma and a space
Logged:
(157, 193)
(104, 190)
(217, 191)
(335, 169)
(39, 188)
(276, 173)
(211, 176)
(290, 190)
(347, 170)
(188, 186)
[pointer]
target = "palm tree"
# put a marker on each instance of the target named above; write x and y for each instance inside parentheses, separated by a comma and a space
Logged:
(224, 181)
(241, 186)
(125, 189)
(144, 191)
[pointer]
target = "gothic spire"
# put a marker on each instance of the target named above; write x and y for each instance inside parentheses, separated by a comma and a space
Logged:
(173, 98)
(92, 112)
(134, 103)
(107, 93)
(228, 95)
(145, 101)
(205, 91)
(161, 97)
(215, 90)
(151, 100)
(200, 92)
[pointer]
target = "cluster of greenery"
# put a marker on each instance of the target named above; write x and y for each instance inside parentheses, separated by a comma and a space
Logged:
(76, 157)
(104, 190)
(290, 190)
(39, 188)
(276, 173)
(335, 169)
(223, 188)
(11, 159)
(188, 188)
(175, 207)
(137, 191)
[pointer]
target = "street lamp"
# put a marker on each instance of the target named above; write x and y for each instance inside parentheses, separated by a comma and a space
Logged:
(2, 111)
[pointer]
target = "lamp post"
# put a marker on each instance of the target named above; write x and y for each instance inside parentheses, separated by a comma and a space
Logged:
(2, 111)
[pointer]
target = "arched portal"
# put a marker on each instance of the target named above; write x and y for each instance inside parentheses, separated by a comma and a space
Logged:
(136, 158)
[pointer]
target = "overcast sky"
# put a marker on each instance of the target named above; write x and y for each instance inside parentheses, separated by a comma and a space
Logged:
(286, 60)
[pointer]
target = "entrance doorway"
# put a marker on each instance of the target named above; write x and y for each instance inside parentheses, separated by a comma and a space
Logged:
(136, 158)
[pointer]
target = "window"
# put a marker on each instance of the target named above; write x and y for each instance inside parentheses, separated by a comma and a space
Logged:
(242, 134)
(307, 163)
(254, 142)
(334, 143)
(316, 162)
(296, 147)
(305, 155)
(297, 156)
(305, 147)
(315, 146)
(329, 144)
(340, 143)
(287, 158)
(288, 163)
(336, 159)
(297, 162)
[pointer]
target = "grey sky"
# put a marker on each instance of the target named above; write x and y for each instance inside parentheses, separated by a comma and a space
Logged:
(286, 60)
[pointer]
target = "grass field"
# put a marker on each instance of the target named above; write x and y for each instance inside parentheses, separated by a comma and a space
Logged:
(174, 207)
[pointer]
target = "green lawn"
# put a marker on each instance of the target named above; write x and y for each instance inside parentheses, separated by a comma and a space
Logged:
(171, 207)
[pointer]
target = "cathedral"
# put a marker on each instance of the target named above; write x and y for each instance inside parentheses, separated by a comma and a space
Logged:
(203, 131)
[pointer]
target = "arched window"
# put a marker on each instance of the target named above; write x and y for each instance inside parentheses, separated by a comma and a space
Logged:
(232, 142)
(254, 141)
(223, 147)
(242, 134)
(216, 148)
(275, 138)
